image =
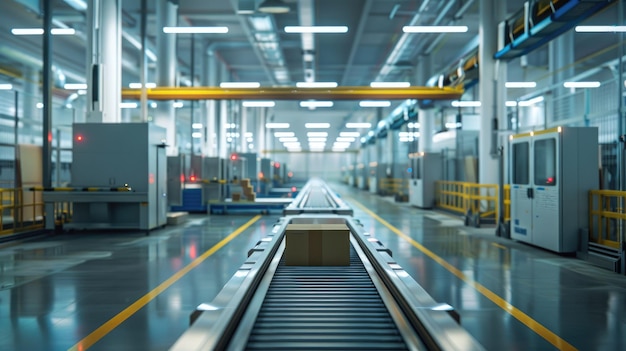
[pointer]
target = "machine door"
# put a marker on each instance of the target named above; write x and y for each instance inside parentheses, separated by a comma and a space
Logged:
(521, 190)
(546, 179)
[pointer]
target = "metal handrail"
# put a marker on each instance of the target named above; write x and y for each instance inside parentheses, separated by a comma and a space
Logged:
(606, 213)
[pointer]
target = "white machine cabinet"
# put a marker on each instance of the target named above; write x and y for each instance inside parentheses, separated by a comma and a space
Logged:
(551, 173)
(427, 169)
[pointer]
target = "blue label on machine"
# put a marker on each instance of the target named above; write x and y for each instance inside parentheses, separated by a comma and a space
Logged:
(516, 222)
(515, 186)
(540, 188)
(519, 230)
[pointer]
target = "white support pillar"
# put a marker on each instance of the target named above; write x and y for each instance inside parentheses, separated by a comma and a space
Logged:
(261, 146)
(104, 61)
(561, 59)
(426, 117)
(212, 105)
(223, 150)
(165, 116)
(243, 128)
(491, 89)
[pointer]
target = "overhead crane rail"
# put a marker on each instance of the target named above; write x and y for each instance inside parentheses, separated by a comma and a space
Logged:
(292, 93)
(372, 303)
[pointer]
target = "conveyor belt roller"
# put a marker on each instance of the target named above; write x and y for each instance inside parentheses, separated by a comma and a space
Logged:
(330, 308)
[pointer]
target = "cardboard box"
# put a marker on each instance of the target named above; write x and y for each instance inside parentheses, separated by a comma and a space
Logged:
(251, 197)
(236, 196)
(245, 182)
(317, 245)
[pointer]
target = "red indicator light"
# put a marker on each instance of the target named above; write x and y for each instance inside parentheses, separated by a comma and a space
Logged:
(151, 178)
(290, 174)
(550, 180)
(260, 175)
(276, 164)
(233, 157)
(79, 138)
(49, 137)
(182, 178)
(293, 189)
(192, 178)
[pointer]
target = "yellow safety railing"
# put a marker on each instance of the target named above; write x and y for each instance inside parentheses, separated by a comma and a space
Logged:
(393, 186)
(22, 210)
(606, 213)
(471, 199)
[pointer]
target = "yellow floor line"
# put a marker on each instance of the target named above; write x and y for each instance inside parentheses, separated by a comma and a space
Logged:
(535, 326)
(112, 323)
(499, 246)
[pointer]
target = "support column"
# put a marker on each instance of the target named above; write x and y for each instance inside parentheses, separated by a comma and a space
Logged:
(30, 97)
(378, 148)
(426, 117)
(165, 116)
(561, 59)
(212, 78)
(262, 132)
(243, 128)
(104, 61)
(223, 119)
(491, 90)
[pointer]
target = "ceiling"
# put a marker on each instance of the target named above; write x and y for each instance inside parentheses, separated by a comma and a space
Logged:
(257, 48)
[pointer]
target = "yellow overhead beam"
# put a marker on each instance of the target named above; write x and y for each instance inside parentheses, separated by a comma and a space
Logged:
(292, 93)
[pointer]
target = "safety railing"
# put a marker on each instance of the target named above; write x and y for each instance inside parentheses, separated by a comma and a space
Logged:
(477, 202)
(606, 216)
(393, 186)
(22, 210)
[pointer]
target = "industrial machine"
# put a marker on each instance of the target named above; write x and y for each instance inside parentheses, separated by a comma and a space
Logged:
(118, 177)
(363, 300)
(551, 173)
(426, 170)
(175, 180)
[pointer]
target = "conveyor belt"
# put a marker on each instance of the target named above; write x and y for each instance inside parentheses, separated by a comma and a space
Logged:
(371, 304)
(330, 308)
(316, 197)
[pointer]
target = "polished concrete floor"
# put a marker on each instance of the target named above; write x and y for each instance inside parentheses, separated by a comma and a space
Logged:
(127, 291)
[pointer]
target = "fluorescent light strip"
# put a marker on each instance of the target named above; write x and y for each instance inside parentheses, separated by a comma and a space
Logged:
(6, 86)
(466, 103)
(316, 29)
(531, 101)
(581, 84)
(288, 139)
(177, 104)
(346, 139)
(258, 104)
(276, 125)
(63, 31)
(511, 103)
(374, 103)
(317, 134)
(316, 104)
(196, 126)
(240, 85)
(291, 145)
(341, 144)
(196, 135)
(356, 126)
(284, 134)
(317, 139)
(520, 84)
(40, 31)
(128, 105)
(316, 84)
(350, 134)
(317, 145)
(137, 85)
(316, 125)
(600, 29)
(195, 30)
(74, 86)
(435, 29)
(390, 84)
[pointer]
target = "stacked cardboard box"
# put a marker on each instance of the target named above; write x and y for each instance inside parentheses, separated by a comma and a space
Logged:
(236, 196)
(248, 191)
(317, 245)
